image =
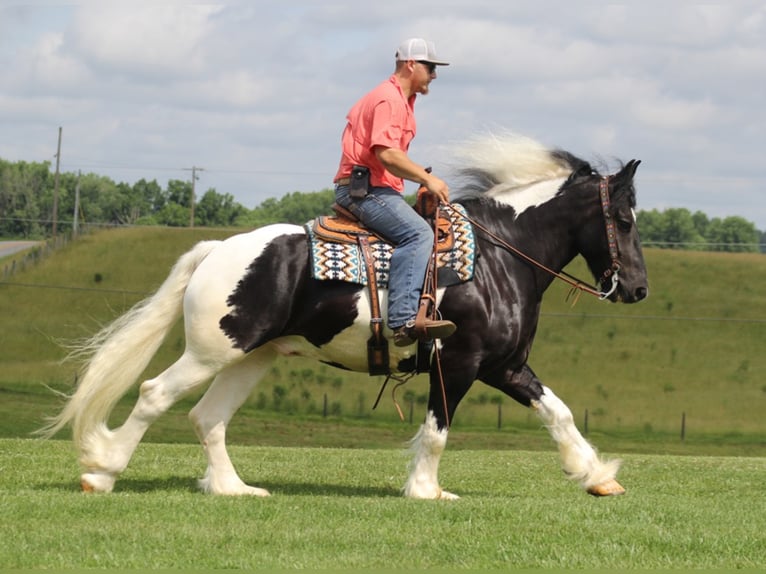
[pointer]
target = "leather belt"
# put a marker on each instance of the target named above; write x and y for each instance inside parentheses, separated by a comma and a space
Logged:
(343, 181)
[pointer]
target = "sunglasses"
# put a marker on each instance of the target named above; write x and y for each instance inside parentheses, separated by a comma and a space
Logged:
(430, 66)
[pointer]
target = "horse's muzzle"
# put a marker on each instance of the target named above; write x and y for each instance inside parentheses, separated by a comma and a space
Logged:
(623, 295)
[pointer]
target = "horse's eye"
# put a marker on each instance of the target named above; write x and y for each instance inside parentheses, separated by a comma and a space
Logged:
(624, 225)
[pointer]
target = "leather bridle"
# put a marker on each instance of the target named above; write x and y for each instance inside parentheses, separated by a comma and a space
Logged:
(611, 273)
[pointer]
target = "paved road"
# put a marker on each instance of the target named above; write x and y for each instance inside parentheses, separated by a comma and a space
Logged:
(11, 247)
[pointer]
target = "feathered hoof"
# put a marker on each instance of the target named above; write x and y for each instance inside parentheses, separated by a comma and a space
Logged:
(609, 488)
(230, 487)
(96, 482)
(444, 495)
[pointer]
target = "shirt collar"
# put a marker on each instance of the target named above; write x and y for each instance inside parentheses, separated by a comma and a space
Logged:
(395, 81)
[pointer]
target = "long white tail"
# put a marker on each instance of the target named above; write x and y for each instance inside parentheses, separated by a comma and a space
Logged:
(119, 353)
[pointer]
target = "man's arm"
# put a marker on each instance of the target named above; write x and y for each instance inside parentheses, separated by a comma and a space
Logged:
(398, 163)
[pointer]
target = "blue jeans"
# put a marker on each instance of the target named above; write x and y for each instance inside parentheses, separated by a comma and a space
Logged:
(385, 212)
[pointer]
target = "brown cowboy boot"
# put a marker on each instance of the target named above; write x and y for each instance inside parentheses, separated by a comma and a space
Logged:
(432, 329)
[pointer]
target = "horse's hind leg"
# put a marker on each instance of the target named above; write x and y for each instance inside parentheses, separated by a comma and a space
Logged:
(211, 415)
(105, 453)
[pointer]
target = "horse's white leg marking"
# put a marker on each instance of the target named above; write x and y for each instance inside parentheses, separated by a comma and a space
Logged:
(427, 447)
(211, 415)
(579, 459)
(104, 453)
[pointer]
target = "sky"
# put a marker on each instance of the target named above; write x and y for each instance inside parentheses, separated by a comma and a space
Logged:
(256, 93)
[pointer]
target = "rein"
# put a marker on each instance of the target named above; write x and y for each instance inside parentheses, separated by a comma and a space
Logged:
(576, 284)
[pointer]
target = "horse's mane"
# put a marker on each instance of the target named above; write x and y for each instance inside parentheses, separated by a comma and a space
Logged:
(511, 161)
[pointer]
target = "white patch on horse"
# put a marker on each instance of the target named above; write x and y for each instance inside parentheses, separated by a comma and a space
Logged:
(427, 447)
(532, 195)
(347, 348)
(579, 460)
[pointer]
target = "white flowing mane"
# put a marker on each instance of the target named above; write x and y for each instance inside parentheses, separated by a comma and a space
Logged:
(512, 169)
(510, 161)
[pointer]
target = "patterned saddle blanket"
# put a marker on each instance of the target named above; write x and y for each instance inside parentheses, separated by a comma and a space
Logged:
(336, 254)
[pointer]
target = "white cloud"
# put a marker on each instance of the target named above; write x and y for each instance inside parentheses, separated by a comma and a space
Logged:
(141, 39)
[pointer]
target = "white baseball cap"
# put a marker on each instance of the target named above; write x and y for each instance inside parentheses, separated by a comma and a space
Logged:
(419, 50)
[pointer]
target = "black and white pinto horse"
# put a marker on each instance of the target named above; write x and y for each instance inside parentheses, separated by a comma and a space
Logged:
(251, 298)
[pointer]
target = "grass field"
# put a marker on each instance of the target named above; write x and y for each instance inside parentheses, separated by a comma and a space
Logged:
(340, 508)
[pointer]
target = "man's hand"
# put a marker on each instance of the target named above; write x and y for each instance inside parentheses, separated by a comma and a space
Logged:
(437, 187)
(399, 164)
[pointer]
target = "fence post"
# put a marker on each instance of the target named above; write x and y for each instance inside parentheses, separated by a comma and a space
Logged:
(499, 416)
(324, 406)
(585, 423)
(683, 426)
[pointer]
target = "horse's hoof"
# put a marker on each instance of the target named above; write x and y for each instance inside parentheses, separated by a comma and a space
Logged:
(444, 495)
(609, 488)
(254, 491)
(230, 487)
(96, 482)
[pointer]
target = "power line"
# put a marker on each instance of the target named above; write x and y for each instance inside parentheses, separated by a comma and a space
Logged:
(652, 318)
(211, 170)
(74, 288)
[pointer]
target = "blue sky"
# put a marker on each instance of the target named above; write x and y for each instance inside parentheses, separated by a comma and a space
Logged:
(256, 92)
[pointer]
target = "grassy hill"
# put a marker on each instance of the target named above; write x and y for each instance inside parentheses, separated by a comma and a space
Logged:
(694, 348)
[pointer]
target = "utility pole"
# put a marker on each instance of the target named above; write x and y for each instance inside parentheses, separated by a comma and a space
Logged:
(56, 187)
(194, 170)
(76, 205)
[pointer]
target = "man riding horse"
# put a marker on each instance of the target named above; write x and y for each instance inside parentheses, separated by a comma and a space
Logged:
(370, 183)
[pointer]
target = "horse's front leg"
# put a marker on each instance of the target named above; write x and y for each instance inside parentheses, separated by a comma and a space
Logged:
(428, 444)
(579, 459)
(427, 447)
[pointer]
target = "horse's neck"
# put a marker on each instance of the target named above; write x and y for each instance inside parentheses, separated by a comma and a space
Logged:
(542, 236)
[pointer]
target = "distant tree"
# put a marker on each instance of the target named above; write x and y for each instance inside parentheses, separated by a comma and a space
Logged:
(673, 228)
(215, 209)
(680, 229)
(732, 234)
(21, 186)
(701, 223)
(173, 215)
(650, 226)
(294, 207)
(150, 194)
(179, 192)
(100, 200)
(299, 207)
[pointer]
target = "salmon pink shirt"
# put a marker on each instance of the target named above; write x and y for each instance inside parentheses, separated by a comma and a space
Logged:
(384, 117)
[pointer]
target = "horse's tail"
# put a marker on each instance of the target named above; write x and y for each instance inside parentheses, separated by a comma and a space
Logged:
(118, 354)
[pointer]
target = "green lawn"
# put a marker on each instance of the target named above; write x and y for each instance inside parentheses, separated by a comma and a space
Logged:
(341, 508)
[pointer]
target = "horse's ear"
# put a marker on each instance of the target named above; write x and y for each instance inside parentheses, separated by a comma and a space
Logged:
(631, 167)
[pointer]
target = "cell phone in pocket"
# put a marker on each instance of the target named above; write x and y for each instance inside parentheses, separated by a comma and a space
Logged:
(359, 185)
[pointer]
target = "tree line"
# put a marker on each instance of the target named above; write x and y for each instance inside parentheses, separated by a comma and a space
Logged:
(679, 228)
(27, 209)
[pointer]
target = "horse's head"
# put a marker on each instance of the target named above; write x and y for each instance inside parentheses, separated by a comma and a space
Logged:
(564, 207)
(610, 243)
